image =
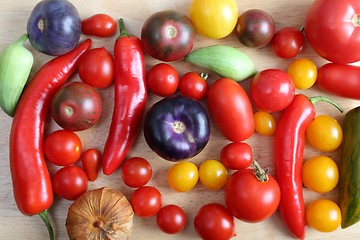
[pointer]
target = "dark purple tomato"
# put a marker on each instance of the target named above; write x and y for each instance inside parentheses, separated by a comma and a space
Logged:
(255, 28)
(76, 106)
(168, 35)
(54, 27)
(177, 128)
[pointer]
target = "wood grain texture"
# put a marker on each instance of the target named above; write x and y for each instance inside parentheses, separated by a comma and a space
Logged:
(13, 19)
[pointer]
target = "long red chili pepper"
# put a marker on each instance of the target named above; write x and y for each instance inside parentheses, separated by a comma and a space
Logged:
(30, 177)
(130, 99)
(289, 142)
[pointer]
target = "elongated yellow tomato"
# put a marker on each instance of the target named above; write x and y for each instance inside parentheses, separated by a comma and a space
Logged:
(214, 18)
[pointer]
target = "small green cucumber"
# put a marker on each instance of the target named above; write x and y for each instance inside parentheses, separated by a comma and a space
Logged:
(226, 61)
(16, 62)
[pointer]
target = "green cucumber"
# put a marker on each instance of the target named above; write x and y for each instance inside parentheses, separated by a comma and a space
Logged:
(226, 61)
(16, 62)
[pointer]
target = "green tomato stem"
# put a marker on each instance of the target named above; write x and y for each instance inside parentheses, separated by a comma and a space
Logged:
(260, 174)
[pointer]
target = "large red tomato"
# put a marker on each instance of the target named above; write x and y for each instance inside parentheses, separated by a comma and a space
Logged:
(332, 28)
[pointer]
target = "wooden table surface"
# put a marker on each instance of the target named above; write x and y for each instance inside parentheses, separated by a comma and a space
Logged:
(14, 225)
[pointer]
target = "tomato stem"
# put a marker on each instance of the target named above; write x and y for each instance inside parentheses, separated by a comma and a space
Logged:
(45, 217)
(204, 75)
(316, 99)
(260, 174)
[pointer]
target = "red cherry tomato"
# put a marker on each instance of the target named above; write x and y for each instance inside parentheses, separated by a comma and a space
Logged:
(236, 155)
(97, 68)
(288, 42)
(62, 147)
(214, 221)
(100, 25)
(146, 201)
(194, 85)
(91, 162)
(163, 79)
(136, 172)
(171, 219)
(70, 182)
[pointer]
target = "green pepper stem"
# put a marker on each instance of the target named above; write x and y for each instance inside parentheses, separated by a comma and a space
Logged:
(22, 39)
(316, 99)
(122, 28)
(45, 217)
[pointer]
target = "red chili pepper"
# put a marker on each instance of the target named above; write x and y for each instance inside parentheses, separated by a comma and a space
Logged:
(289, 142)
(130, 99)
(31, 180)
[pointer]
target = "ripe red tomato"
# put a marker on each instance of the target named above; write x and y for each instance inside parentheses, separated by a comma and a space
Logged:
(91, 162)
(163, 79)
(97, 68)
(214, 221)
(146, 201)
(136, 172)
(322, 31)
(70, 182)
(62, 147)
(230, 108)
(288, 42)
(194, 85)
(171, 219)
(249, 199)
(272, 90)
(100, 25)
(236, 155)
(76, 106)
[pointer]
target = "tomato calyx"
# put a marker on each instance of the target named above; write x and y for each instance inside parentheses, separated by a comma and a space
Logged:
(204, 75)
(260, 174)
(356, 20)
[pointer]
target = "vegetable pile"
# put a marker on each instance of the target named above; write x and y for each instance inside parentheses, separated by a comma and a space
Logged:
(177, 114)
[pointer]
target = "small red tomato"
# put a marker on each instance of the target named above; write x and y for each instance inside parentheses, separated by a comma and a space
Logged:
(288, 42)
(91, 162)
(62, 147)
(100, 25)
(70, 182)
(194, 85)
(272, 90)
(163, 79)
(171, 219)
(146, 201)
(97, 68)
(236, 155)
(136, 172)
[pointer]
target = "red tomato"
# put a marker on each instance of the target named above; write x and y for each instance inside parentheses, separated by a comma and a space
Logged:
(272, 90)
(213, 222)
(136, 172)
(146, 201)
(230, 108)
(91, 162)
(97, 68)
(249, 199)
(163, 79)
(62, 147)
(70, 182)
(236, 155)
(171, 219)
(288, 42)
(326, 20)
(100, 25)
(194, 85)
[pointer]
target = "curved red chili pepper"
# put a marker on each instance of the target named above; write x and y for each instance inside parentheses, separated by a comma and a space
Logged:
(130, 99)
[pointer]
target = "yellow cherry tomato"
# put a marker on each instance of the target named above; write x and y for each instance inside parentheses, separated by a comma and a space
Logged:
(183, 176)
(320, 174)
(323, 215)
(324, 133)
(265, 123)
(213, 18)
(303, 72)
(213, 174)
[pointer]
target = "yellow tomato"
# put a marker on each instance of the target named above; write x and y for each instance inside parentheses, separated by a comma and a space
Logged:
(303, 72)
(265, 123)
(213, 174)
(214, 18)
(323, 215)
(183, 176)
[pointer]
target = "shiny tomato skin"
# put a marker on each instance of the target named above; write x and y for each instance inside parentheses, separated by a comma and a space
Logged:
(162, 79)
(256, 201)
(324, 215)
(288, 42)
(70, 182)
(146, 201)
(231, 109)
(136, 172)
(91, 162)
(168, 35)
(62, 147)
(265, 123)
(100, 25)
(171, 219)
(325, 21)
(236, 155)
(272, 90)
(194, 85)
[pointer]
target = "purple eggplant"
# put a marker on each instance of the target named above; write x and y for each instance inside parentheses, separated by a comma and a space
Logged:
(177, 128)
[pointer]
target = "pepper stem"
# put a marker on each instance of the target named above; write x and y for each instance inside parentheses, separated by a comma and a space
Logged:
(122, 28)
(316, 99)
(260, 174)
(45, 217)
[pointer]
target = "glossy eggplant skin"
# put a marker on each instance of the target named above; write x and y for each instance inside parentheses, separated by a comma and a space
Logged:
(177, 128)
